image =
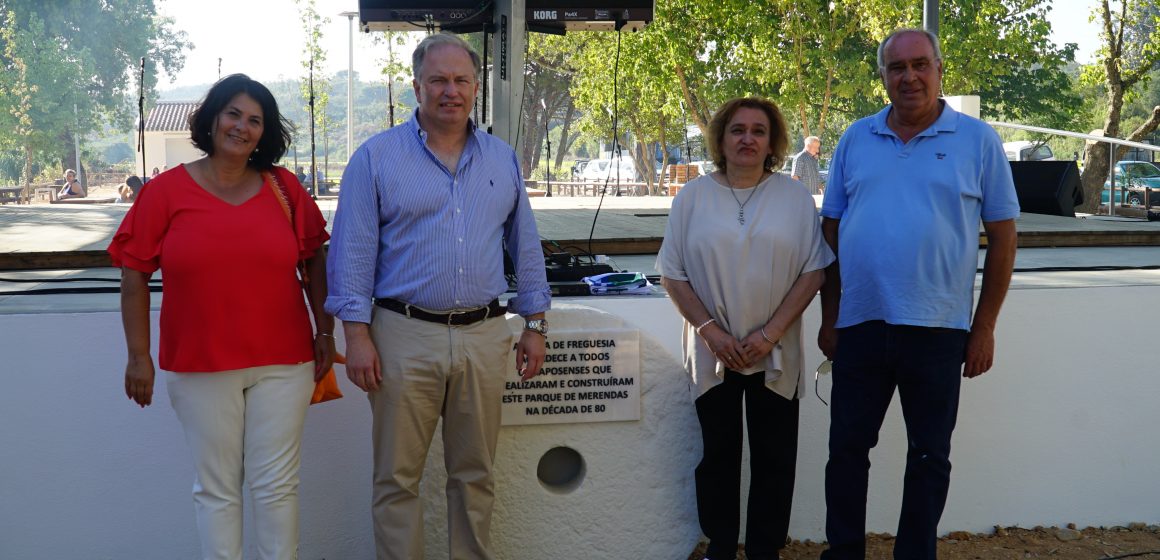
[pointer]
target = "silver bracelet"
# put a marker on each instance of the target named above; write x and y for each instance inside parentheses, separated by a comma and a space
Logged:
(703, 325)
(766, 336)
(324, 334)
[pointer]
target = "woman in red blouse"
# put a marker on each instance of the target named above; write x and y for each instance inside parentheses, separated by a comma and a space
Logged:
(237, 342)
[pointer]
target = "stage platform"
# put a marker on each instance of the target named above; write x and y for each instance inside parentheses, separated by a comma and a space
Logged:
(57, 237)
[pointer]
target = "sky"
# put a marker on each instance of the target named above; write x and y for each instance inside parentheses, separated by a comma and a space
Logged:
(265, 39)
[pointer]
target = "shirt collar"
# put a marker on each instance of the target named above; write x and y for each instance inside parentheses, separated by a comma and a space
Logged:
(421, 135)
(947, 121)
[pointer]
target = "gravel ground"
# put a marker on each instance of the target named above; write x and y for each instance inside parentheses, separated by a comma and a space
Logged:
(1138, 540)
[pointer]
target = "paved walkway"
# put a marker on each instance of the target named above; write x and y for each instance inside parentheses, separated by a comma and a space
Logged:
(624, 225)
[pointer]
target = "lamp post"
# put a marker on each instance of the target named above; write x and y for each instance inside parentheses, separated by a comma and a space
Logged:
(349, 83)
(549, 141)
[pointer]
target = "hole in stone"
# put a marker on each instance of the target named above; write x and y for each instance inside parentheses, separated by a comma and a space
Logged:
(561, 470)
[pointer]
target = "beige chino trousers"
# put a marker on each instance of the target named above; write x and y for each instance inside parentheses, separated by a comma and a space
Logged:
(431, 370)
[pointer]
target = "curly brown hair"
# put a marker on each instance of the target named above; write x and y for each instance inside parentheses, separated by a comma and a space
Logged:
(778, 137)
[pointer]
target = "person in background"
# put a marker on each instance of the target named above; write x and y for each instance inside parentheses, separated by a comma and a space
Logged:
(127, 192)
(743, 255)
(907, 190)
(416, 266)
(72, 188)
(805, 165)
(239, 349)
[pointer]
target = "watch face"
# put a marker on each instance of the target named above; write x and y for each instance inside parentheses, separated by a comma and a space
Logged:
(538, 325)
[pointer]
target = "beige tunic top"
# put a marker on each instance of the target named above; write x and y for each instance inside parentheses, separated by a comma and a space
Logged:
(741, 272)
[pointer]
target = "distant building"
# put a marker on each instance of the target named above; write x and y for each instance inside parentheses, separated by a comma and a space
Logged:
(167, 136)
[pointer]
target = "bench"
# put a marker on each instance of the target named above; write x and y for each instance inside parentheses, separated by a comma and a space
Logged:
(11, 194)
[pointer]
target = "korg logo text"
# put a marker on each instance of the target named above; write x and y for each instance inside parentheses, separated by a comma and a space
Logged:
(544, 14)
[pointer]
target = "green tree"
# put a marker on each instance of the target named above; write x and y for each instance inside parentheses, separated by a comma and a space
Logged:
(68, 79)
(315, 86)
(1129, 54)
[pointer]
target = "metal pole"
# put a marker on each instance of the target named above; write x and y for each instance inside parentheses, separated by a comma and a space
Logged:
(349, 83)
(507, 79)
(1111, 179)
(930, 16)
(77, 147)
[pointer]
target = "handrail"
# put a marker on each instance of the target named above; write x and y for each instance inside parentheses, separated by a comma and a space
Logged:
(1093, 138)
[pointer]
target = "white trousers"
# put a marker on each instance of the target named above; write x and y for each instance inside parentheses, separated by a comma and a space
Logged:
(246, 425)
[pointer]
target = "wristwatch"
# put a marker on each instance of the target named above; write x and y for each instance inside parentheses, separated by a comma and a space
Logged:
(537, 325)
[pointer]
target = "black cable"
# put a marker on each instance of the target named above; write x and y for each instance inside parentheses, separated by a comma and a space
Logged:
(61, 280)
(140, 117)
(57, 291)
(615, 143)
(523, 92)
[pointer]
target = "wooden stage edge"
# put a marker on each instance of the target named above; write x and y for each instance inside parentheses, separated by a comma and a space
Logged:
(70, 260)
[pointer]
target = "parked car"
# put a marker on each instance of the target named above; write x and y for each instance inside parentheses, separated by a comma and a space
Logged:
(578, 169)
(1132, 177)
(1023, 150)
(600, 170)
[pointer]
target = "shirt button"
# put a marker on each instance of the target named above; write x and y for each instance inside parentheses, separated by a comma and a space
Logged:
(456, 302)
(461, 271)
(457, 210)
(461, 240)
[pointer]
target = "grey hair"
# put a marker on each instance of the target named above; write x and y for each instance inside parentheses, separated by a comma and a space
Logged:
(435, 40)
(810, 140)
(882, 46)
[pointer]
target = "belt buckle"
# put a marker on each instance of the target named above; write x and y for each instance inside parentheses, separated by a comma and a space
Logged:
(451, 317)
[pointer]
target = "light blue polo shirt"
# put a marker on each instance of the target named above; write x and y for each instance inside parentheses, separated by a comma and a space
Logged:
(908, 240)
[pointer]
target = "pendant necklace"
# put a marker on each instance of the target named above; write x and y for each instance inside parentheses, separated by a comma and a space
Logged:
(741, 205)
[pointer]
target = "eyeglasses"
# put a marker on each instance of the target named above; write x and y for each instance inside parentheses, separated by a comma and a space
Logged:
(824, 368)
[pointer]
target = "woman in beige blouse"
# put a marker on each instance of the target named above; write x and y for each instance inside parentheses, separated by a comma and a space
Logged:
(743, 256)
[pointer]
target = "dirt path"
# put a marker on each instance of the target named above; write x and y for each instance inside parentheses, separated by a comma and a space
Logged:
(1136, 541)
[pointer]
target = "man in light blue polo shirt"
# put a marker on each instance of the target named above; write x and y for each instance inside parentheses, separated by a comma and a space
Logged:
(907, 190)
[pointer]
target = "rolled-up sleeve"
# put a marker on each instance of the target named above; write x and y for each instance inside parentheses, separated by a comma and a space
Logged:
(523, 244)
(354, 242)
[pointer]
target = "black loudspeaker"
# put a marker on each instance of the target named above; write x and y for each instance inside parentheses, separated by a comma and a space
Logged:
(1047, 187)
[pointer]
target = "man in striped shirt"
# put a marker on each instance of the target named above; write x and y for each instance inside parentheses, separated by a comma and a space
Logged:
(415, 269)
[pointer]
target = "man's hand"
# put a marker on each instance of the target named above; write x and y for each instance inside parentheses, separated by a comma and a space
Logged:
(980, 352)
(530, 352)
(362, 358)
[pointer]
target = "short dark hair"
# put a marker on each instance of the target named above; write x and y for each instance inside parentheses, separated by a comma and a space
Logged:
(276, 132)
(778, 137)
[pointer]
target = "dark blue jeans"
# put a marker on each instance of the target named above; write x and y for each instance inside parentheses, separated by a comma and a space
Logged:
(773, 429)
(925, 365)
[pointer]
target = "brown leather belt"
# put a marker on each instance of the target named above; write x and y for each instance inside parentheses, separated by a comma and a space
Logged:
(453, 319)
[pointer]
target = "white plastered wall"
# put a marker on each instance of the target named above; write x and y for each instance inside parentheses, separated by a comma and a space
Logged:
(1062, 430)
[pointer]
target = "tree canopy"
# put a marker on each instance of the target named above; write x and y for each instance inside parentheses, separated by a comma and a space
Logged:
(69, 69)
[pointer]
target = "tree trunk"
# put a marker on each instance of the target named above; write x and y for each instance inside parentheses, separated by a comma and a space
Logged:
(27, 172)
(566, 138)
(1095, 168)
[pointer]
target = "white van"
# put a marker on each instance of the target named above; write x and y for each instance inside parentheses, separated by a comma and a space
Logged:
(1024, 150)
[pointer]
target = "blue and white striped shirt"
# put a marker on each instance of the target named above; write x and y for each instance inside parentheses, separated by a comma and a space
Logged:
(407, 228)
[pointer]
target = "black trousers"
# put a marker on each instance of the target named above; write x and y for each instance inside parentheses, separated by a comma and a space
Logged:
(925, 365)
(773, 429)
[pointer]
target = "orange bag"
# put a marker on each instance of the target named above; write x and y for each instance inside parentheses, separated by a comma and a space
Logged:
(325, 389)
